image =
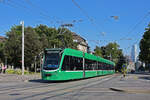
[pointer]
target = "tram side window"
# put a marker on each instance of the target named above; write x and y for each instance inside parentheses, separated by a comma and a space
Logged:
(100, 66)
(107, 67)
(104, 66)
(72, 63)
(111, 67)
(66, 63)
(76, 63)
(90, 64)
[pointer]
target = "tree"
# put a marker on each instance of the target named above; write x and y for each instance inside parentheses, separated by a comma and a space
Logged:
(98, 51)
(112, 52)
(52, 37)
(36, 40)
(2, 52)
(121, 60)
(144, 54)
(32, 46)
(13, 46)
(66, 38)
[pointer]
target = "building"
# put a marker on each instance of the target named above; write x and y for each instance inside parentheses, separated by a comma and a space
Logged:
(82, 43)
(134, 53)
(2, 38)
(130, 66)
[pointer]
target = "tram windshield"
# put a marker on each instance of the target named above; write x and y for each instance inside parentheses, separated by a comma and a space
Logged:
(51, 61)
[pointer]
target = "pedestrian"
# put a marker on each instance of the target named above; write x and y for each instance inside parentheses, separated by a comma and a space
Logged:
(4, 69)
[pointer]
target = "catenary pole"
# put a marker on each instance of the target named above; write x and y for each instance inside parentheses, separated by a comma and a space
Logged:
(22, 23)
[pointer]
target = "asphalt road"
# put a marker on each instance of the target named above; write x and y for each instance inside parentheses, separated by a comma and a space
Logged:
(112, 87)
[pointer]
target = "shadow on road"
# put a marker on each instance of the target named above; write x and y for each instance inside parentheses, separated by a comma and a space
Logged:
(38, 81)
(46, 81)
(60, 81)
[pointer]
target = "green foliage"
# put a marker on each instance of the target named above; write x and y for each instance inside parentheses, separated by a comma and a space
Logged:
(98, 51)
(17, 71)
(121, 61)
(112, 52)
(11, 71)
(13, 46)
(32, 46)
(145, 46)
(52, 37)
(1, 52)
(36, 40)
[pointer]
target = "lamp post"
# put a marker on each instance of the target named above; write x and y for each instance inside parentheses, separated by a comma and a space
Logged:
(61, 28)
(22, 23)
(111, 54)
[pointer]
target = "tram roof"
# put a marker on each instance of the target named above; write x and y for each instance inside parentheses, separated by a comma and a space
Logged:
(77, 53)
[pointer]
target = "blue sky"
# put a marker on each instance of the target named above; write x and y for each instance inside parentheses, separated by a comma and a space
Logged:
(133, 18)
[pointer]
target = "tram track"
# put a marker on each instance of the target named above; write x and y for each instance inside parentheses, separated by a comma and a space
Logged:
(68, 89)
(78, 89)
(26, 87)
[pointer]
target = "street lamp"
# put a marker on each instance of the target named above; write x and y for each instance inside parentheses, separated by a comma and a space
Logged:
(61, 28)
(111, 54)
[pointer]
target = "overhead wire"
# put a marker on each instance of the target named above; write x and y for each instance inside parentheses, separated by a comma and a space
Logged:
(92, 21)
(17, 5)
(136, 25)
(132, 29)
(44, 13)
(76, 4)
(86, 15)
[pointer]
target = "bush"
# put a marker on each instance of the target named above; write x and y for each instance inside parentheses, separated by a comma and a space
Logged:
(10, 71)
(17, 71)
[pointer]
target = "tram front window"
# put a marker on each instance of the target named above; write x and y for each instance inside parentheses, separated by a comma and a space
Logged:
(51, 61)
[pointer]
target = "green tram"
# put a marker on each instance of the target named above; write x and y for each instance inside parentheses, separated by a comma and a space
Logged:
(68, 64)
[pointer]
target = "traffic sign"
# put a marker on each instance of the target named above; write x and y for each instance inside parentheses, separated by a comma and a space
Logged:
(123, 66)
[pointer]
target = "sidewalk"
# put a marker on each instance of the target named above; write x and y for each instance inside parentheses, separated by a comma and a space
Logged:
(133, 83)
(19, 78)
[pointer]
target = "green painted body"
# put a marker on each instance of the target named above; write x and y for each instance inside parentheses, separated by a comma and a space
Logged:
(58, 74)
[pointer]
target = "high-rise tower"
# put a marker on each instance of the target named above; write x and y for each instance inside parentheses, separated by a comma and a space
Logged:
(134, 53)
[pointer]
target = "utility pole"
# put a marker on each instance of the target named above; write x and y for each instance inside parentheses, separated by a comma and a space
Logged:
(83, 65)
(22, 23)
